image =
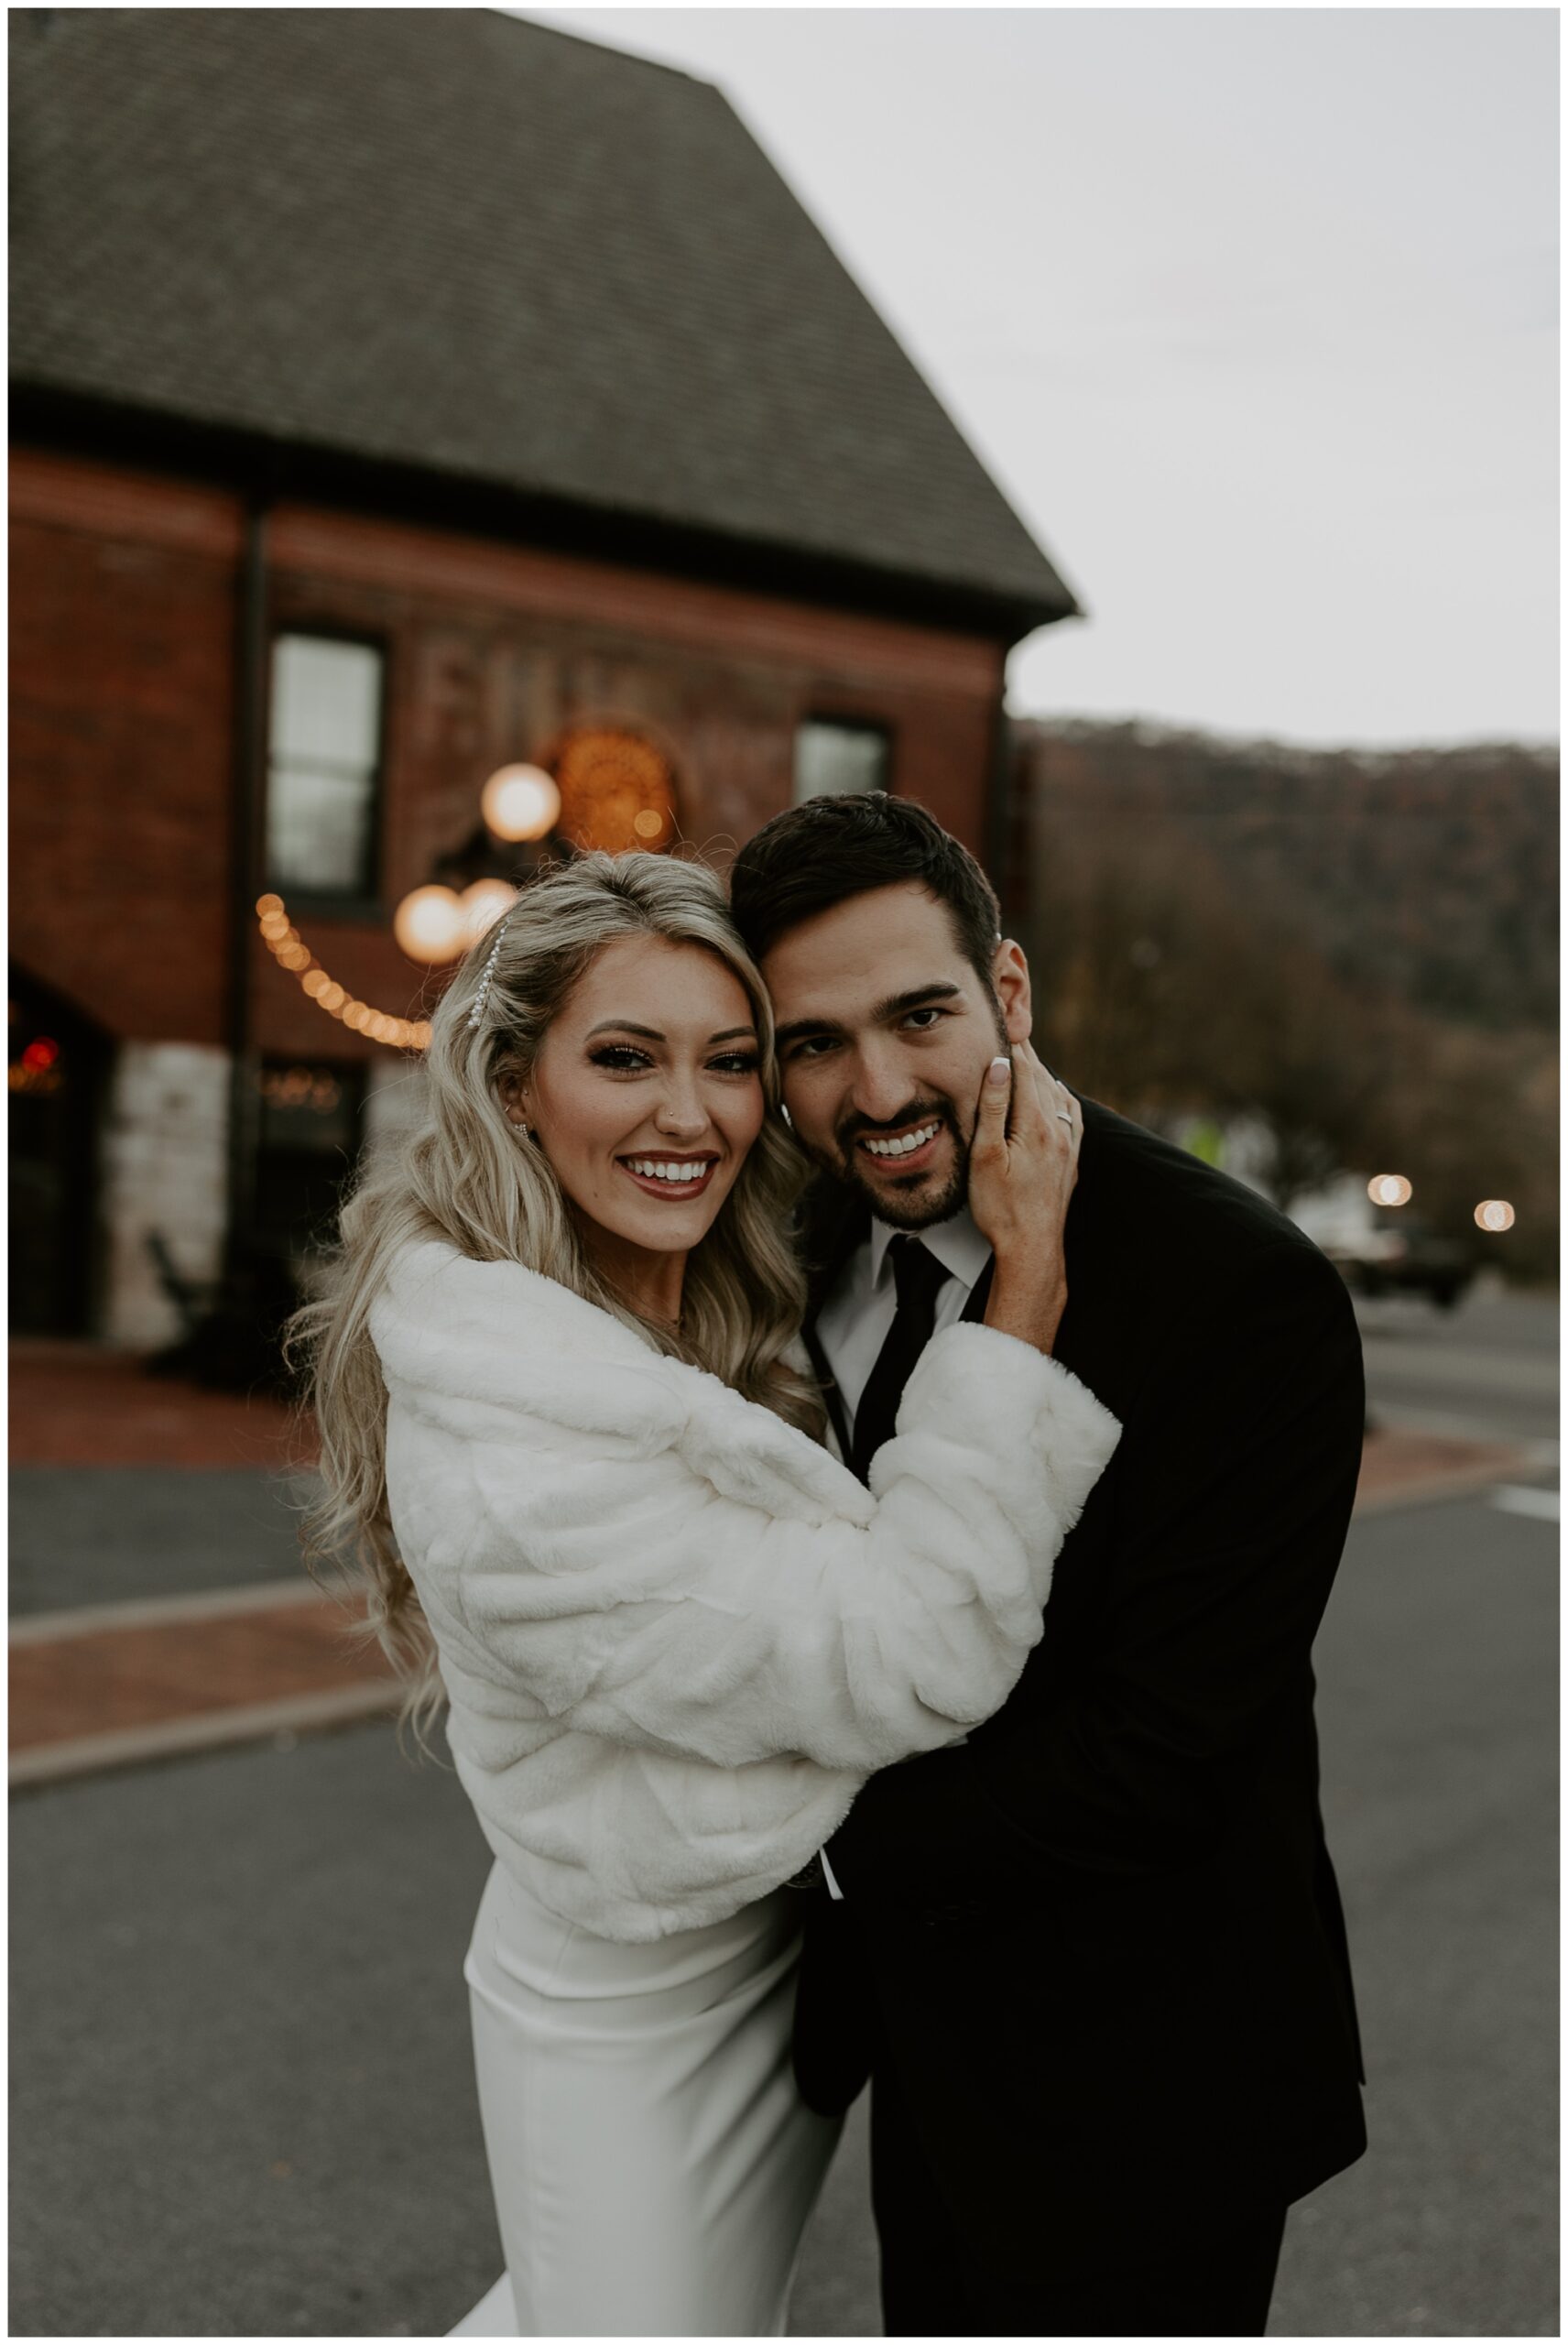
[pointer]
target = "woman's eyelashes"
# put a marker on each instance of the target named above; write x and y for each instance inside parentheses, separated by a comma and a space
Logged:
(621, 1058)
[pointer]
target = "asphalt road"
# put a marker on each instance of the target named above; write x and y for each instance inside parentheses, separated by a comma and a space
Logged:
(1485, 1371)
(241, 2103)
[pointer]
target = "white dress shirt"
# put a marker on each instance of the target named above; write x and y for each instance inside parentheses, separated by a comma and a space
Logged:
(853, 1323)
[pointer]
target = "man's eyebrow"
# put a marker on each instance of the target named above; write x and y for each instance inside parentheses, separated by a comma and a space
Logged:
(894, 1006)
(652, 1034)
(896, 1003)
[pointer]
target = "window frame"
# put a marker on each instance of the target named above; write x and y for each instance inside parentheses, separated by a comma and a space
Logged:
(843, 721)
(367, 904)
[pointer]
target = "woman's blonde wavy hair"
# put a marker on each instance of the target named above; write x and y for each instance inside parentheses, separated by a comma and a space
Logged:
(466, 1176)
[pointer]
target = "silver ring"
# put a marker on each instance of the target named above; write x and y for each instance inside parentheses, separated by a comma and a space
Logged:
(1062, 1117)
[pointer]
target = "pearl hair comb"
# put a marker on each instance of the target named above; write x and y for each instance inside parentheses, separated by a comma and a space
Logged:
(476, 1014)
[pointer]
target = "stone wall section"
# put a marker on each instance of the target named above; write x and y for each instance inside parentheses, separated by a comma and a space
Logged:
(164, 1168)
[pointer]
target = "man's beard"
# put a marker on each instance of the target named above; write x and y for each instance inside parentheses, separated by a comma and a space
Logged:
(900, 1204)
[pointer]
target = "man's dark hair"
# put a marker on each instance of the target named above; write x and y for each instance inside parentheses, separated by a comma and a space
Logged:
(814, 856)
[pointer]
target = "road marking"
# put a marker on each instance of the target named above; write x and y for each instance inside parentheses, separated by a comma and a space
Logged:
(1518, 1497)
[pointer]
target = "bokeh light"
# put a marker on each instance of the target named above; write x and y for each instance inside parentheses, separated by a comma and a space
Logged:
(1494, 1214)
(1389, 1189)
(520, 803)
(482, 905)
(430, 925)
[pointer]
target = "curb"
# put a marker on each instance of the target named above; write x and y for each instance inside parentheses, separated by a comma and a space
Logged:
(162, 1612)
(348, 1695)
(53, 1763)
(1457, 1482)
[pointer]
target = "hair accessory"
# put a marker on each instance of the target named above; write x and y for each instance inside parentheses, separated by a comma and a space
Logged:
(476, 1014)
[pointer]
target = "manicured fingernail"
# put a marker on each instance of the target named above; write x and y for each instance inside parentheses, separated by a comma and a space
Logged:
(999, 1071)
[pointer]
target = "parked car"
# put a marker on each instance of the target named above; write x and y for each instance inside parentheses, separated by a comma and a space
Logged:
(1399, 1253)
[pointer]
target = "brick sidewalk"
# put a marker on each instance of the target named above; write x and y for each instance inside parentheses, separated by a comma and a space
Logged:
(110, 1686)
(1402, 1469)
(82, 1404)
(80, 1678)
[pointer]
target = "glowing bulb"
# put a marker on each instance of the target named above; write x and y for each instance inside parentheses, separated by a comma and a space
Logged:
(430, 925)
(1494, 1214)
(520, 803)
(483, 905)
(1389, 1189)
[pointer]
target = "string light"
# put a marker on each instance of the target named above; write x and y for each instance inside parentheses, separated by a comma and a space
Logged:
(290, 951)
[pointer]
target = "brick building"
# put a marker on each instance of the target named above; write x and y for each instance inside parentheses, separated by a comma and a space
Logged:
(397, 394)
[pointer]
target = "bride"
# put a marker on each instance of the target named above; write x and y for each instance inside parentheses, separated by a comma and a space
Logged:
(568, 1433)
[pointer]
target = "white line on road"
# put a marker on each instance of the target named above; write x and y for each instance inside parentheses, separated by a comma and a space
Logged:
(1518, 1497)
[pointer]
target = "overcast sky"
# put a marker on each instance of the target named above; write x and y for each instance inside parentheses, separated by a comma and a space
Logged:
(1251, 312)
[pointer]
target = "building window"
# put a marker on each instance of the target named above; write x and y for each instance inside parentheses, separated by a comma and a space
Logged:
(833, 759)
(323, 772)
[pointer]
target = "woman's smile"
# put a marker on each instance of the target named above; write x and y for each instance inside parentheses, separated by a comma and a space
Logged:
(671, 1179)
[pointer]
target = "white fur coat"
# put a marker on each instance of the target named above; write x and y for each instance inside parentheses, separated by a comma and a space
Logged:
(676, 1635)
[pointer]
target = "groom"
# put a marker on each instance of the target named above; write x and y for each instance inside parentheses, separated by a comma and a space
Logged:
(1093, 1959)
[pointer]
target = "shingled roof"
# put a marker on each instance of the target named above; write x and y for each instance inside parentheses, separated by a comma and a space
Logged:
(455, 242)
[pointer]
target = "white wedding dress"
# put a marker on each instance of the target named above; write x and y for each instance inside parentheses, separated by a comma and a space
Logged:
(653, 2164)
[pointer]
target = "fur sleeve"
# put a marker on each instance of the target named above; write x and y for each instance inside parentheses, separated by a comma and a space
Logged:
(647, 1558)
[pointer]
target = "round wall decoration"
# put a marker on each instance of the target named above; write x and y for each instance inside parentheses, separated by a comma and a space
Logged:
(617, 790)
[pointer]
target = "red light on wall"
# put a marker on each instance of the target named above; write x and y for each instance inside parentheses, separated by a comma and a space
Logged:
(41, 1053)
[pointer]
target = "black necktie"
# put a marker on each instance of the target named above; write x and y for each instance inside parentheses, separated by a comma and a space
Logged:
(919, 1278)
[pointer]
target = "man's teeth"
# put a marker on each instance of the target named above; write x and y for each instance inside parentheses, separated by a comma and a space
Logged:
(903, 1147)
(653, 1168)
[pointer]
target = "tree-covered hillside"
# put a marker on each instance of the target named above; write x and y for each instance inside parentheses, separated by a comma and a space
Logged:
(1353, 953)
(1429, 872)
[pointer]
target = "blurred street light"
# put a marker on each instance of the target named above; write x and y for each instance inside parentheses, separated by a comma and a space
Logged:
(520, 803)
(1494, 1214)
(482, 905)
(1389, 1189)
(431, 925)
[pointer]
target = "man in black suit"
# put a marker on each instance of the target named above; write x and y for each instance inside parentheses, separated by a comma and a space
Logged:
(1093, 1959)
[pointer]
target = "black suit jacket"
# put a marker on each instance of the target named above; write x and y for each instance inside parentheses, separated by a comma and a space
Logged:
(1101, 1942)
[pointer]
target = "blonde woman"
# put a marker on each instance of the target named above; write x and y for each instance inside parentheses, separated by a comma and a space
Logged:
(566, 1428)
